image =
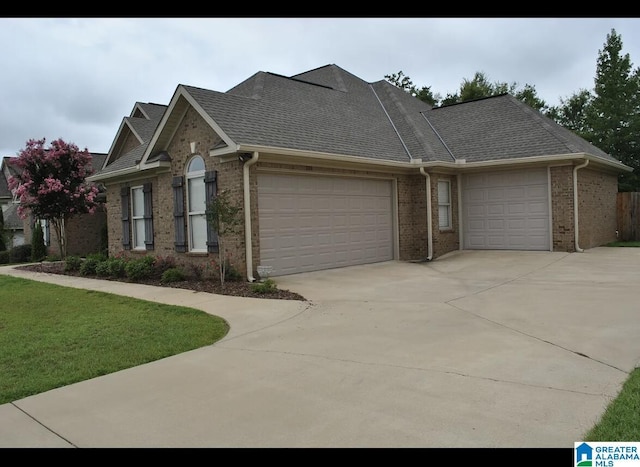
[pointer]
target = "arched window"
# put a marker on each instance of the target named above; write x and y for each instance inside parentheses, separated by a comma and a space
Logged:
(196, 205)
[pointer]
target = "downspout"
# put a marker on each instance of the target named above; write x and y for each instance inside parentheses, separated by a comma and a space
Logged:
(429, 226)
(247, 216)
(575, 202)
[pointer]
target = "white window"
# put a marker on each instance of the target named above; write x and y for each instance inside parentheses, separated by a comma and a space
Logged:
(444, 204)
(137, 217)
(196, 205)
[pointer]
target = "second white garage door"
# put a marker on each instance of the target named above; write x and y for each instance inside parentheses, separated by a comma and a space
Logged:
(310, 222)
(506, 210)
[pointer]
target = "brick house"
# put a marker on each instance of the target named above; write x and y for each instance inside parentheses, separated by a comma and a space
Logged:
(332, 171)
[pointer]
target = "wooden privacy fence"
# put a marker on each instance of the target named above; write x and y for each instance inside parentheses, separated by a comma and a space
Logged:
(628, 213)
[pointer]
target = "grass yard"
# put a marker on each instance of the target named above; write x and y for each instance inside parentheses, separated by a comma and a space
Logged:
(52, 336)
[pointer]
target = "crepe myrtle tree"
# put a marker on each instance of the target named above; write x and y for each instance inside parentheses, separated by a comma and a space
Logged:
(51, 184)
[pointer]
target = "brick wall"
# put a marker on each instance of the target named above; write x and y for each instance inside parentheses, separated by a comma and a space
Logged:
(192, 129)
(562, 208)
(83, 233)
(412, 217)
(597, 193)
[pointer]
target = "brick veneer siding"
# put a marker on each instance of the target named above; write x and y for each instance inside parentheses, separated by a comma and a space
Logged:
(562, 208)
(444, 240)
(597, 198)
(83, 234)
(191, 129)
(412, 217)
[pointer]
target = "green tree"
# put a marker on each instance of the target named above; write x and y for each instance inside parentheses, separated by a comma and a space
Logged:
(613, 114)
(3, 236)
(225, 218)
(38, 248)
(404, 82)
(476, 88)
(572, 113)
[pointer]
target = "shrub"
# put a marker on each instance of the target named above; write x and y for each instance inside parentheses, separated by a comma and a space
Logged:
(102, 269)
(139, 268)
(20, 253)
(89, 265)
(231, 273)
(72, 263)
(116, 267)
(162, 264)
(4, 257)
(268, 286)
(173, 275)
(38, 248)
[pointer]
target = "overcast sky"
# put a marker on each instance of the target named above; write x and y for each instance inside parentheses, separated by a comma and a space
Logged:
(76, 78)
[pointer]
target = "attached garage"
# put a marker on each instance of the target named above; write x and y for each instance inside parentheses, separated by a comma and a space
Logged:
(506, 210)
(314, 222)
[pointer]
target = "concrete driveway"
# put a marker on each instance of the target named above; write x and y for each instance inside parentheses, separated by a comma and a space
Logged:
(475, 349)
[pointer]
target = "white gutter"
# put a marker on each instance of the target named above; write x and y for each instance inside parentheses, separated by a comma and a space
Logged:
(429, 226)
(247, 216)
(575, 202)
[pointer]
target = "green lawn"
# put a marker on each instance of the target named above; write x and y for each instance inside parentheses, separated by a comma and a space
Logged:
(52, 336)
(631, 244)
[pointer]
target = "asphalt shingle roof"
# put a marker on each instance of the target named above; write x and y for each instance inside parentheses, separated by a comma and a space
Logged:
(329, 110)
(502, 127)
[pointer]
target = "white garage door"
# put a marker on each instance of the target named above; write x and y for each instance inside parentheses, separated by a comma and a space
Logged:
(506, 210)
(309, 223)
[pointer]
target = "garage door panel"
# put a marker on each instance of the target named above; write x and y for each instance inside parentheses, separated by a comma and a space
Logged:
(506, 210)
(310, 223)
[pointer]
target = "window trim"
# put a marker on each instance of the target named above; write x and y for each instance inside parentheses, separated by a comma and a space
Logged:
(445, 204)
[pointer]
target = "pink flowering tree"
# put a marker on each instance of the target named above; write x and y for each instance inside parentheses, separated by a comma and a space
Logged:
(51, 184)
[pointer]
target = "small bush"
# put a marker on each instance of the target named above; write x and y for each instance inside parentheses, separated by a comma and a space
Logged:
(162, 264)
(116, 267)
(88, 266)
(231, 273)
(20, 253)
(102, 269)
(38, 248)
(173, 275)
(4, 257)
(268, 286)
(139, 268)
(72, 263)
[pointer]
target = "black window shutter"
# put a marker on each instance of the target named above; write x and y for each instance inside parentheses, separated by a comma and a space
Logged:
(178, 214)
(148, 216)
(211, 189)
(126, 222)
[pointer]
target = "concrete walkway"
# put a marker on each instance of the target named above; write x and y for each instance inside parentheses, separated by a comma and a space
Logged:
(475, 349)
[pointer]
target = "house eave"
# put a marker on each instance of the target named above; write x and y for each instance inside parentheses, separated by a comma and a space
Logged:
(122, 174)
(286, 155)
(461, 165)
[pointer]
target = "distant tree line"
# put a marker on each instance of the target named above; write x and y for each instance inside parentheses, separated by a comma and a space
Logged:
(607, 116)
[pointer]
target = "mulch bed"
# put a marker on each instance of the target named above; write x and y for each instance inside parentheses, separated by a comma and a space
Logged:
(235, 288)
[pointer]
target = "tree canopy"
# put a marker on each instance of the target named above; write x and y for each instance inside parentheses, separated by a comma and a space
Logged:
(51, 184)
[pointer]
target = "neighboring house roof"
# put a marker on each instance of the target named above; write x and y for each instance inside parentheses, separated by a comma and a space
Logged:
(330, 111)
(140, 125)
(12, 220)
